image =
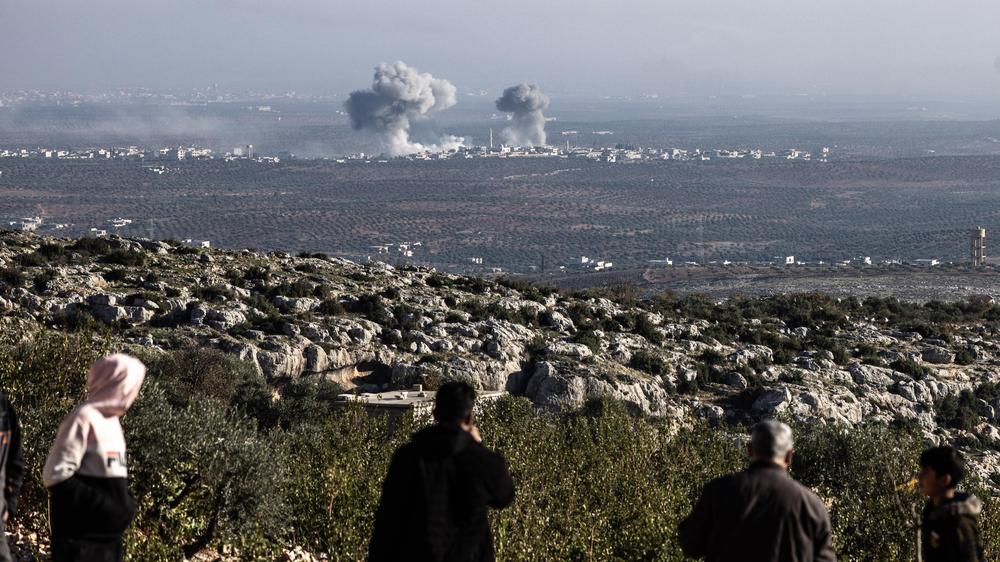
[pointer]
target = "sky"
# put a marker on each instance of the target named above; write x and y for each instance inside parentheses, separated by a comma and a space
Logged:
(585, 47)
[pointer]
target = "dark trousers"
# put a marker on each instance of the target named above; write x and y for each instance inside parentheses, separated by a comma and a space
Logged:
(78, 550)
(4, 547)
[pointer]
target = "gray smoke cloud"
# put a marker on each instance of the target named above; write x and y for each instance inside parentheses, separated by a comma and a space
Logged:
(400, 96)
(996, 64)
(525, 103)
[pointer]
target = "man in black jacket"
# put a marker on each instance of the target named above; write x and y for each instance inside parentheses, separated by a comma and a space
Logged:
(436, 496)
(11, 468)
(760, 514)
(949, 527)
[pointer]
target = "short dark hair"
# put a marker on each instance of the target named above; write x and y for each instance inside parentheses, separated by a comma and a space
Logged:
(454, 401)
(944, 460)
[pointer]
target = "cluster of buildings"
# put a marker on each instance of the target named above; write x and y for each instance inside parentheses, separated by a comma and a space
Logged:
(116, 223)
(632, 153)
(858, 261)
(620, 153)
(593, 264)
(27, 224)
(978, 255)
(402, 250)
(196, 96)
(136, 153)
(124, 153)
(33, 224)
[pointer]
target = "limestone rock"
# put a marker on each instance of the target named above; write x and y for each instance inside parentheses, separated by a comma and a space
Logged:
(937, 355)
(557, 321)
(871, 376)
(575, 350)
(225, 320)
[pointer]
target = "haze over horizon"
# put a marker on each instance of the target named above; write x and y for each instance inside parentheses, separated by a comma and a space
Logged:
(718, 47)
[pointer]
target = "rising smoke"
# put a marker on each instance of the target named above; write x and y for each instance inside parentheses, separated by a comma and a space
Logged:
(399, 97)
(525, 103)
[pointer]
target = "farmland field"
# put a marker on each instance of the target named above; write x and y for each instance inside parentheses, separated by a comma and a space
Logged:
(521, 214)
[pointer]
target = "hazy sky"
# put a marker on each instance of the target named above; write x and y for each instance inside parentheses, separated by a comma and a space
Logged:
(921, 47)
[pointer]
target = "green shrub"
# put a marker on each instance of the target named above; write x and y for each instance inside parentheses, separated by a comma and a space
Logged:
(645, 328)
(213, 293)
(90, 246)
(295, 289)
(43, 280)
(965, 357)
(77, 319)
(860, 473)
(203, 475)
(588, 338)
(912, 368)
(373, 308)
(649, 362)
(257, 273)
(12, 277)
(33, 259)
(115, 275)
(128, 258)
(959, 411)
(54, 253)
(988, 391)
(315, 255)
(569, 504)
(331, 307)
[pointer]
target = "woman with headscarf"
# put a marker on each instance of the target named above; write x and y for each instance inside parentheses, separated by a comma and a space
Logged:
(86, 472)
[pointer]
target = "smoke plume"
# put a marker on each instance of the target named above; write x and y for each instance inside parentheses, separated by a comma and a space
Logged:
(525, 103)
(399, 97)
(996, 64)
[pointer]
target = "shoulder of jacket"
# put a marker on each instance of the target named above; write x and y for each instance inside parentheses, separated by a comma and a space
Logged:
(483, 449)
(808, 495)
(405, 450)
(720, 483)
(83, 414)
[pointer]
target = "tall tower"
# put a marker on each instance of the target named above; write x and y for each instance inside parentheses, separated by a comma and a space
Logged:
(491, 138)
(249, 152)
(979, 247)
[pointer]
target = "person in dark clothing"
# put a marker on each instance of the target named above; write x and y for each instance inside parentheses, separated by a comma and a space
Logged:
(949, 527)
(436, 496)
(11, 468)
(760, 514)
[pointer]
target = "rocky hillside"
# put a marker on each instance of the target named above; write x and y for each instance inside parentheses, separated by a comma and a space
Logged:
(934, 367)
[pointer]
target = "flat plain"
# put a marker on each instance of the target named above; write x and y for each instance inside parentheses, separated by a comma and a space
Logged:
(524, 214)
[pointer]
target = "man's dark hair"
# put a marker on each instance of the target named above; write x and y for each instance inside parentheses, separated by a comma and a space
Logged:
(944, 460)
(454, 401)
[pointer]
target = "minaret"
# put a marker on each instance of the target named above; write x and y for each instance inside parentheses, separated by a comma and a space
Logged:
(491, 138)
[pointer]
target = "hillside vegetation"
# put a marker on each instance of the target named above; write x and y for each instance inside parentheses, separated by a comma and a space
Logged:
(621, 409)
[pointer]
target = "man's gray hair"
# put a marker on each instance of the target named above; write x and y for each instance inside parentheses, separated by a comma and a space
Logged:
(771, 439)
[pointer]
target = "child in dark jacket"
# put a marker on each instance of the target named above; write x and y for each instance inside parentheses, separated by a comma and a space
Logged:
(86, 472)
(949, 529)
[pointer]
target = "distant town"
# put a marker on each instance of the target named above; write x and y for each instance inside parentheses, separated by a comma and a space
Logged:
(136, 153)
(199, 96)
(619, 153)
